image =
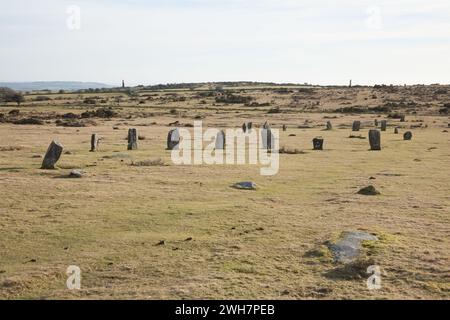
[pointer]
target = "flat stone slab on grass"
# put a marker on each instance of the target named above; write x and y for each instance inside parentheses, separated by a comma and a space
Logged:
(347, 249)
(246, 185)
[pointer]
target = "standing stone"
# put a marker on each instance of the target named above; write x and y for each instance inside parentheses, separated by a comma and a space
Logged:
(402, 118)
(173, 139)
(356, 126)
(329, 125)
(132, 139)
(383, 125)
(220, 140)
(375, 139)
(249, 126)
(318, 143)
(94, 142)
(244, 128)
(266, 126)
(284, 127)
(396, 130)
(52, 156)
(267, 139)
(376, 122)
(407, 135)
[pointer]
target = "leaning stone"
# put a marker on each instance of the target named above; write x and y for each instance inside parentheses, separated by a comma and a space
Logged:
(318, 143)
(52, 156)
(407, 135)
(247, 185)
(375, 140)
(329, 125)
(369, 191)
(348, 248)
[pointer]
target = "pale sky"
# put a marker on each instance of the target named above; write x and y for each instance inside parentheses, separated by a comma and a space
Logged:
(167, 41)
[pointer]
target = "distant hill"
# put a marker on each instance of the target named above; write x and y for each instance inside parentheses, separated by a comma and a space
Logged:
(53, 85)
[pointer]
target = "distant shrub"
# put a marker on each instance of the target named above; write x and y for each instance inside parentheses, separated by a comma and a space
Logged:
(148, 163)
(396, 116)
(283, 91)
(287, 150)
(70, 115)
(274, 110)
(42, 98)
(445, 109)
(89, 101)
(351, 110)
(233, 98)
(380, 109)
(99, 113)
(9, 95)
(34, 121)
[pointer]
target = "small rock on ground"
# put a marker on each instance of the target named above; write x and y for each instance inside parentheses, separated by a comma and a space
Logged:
(369, 191)
(247, 185)
(75, 174)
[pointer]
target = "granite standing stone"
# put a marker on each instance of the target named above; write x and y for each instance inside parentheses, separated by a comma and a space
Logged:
(220, 140)
(132, 139)
(375, 139)
(52, 155)
(173, 139)
(356, 126)
(94, 142)
(318, 143)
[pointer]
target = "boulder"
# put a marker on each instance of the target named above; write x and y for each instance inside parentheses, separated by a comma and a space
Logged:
(407, 135)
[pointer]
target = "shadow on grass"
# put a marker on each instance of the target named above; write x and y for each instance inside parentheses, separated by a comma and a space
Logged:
(351, 271)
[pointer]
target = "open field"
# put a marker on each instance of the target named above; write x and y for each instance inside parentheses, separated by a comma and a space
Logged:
(221, 242)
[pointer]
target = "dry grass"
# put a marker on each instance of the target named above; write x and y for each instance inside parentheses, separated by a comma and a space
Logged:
(264, 244)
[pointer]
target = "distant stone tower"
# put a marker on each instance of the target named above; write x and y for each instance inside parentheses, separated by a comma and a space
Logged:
(123, 83)
(350, 85)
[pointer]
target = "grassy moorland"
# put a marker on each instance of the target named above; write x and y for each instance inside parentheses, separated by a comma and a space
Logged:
(220, 242)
